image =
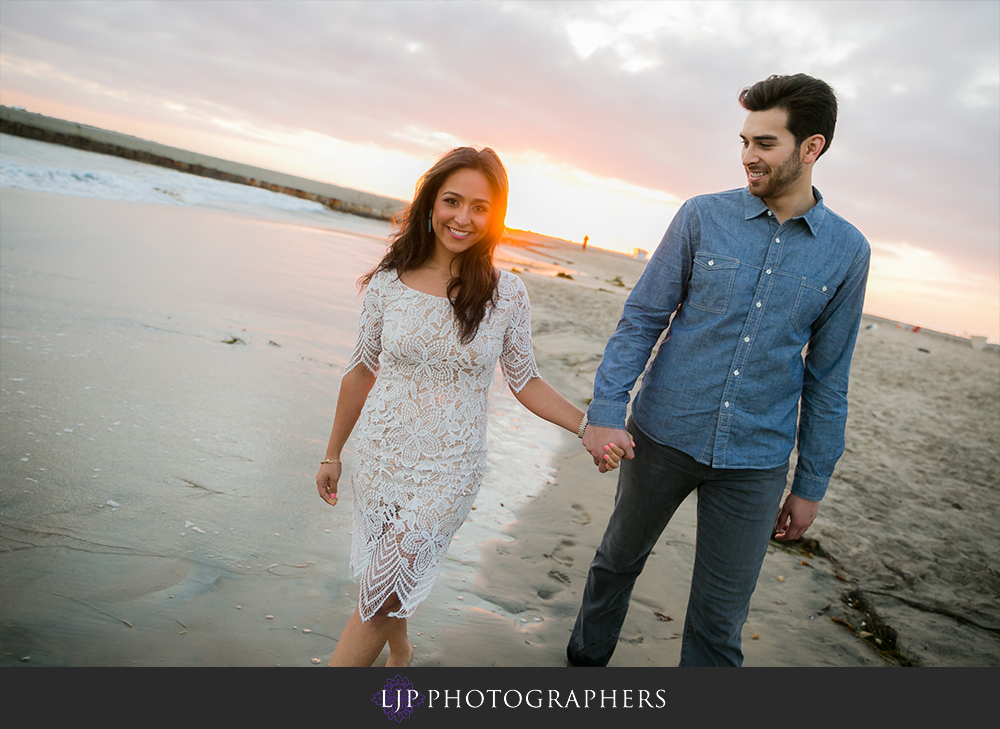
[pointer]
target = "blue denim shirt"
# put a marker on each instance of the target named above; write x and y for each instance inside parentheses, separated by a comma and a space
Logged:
(764, 317)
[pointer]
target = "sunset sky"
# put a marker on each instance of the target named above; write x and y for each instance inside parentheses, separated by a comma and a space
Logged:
(607, 114)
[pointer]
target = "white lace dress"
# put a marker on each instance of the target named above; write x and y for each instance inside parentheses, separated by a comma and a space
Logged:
(420, 443)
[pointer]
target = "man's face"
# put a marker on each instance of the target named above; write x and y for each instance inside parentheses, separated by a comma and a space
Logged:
(770, 156)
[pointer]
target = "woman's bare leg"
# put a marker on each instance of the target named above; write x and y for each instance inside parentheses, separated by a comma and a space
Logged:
(361, 641)
(400, 650)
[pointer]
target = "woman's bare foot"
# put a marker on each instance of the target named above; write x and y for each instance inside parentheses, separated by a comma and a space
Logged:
(400, 661)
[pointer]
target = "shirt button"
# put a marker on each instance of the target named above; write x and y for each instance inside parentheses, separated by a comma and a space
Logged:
(727, 403)
(769, 214)
(746, 339)
(711, 262)
(777, 240)
(824, 288)
(768, 272)
(758, 304)
(736, 372)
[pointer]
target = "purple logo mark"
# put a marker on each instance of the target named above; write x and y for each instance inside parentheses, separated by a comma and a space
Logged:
(398, 698)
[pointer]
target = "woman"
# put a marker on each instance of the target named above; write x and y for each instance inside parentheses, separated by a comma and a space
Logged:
(437, 316)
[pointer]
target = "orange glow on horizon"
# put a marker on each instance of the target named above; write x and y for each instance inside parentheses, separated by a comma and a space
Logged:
(907, 283)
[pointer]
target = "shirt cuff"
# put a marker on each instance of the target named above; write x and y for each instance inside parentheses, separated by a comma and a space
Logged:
(809, 487)
(606, 414)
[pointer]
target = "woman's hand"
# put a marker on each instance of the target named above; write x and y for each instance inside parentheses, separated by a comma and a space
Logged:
(326, 481)
(600, 442)
(612, 456)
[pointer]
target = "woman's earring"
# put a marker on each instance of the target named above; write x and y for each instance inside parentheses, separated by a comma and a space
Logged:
(429, 214)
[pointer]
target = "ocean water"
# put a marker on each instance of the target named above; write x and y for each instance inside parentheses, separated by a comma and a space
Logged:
(26, 164)
(170, 356)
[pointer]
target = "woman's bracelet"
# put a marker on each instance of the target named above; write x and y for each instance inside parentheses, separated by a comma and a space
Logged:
(583, 427)
(329, 460)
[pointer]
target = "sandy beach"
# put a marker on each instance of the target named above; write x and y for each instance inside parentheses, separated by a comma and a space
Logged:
(168, 376)
(907, 532)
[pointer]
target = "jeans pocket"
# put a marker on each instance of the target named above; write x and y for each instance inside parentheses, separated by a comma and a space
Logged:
(711, 284)
(809, 304)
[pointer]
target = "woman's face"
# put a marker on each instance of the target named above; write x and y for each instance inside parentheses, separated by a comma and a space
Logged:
(462, 211)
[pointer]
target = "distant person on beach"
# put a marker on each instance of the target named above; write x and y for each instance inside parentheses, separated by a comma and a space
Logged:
(752, 277)
(585, 239)
(437, 316)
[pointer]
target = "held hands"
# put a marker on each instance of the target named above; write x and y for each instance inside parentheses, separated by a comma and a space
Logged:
(612, 457)
(608, 446)
(326, 481)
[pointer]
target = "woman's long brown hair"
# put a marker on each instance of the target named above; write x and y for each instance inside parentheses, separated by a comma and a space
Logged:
(474, 288)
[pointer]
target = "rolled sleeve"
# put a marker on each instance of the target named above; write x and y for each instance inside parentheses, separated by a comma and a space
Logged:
(809, 487)
(606, 414)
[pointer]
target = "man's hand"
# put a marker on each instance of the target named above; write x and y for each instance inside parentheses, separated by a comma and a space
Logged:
(595, 438)
(794, 518)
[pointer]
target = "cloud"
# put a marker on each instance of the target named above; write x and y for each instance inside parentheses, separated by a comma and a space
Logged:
(641, 92)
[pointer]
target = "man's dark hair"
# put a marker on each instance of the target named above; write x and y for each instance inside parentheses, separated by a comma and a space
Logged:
(811, 104)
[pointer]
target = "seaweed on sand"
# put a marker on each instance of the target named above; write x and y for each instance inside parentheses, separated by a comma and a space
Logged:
(878, 634)
(866, 623)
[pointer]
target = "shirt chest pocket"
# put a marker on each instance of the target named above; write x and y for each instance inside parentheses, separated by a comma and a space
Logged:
(711, 283)
(812, 298)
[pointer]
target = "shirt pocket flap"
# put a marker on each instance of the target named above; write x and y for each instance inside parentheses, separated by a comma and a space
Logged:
(711, 282)
(809, 304)
(712, 262)
(826, 290)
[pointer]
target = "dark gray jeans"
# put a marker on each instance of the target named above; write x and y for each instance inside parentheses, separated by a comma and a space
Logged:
(736, 514)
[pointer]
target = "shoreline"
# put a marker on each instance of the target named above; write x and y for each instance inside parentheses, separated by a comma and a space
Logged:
(50, 130)
(19, 122)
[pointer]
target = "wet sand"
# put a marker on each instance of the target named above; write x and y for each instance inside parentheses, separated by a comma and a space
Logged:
(157, 504)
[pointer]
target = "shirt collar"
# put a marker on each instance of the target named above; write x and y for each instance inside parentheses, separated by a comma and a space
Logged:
(755, 207)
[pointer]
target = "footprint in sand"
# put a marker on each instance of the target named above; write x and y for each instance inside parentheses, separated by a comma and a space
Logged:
(546, 593)
(559, 554)
(580, 515)
(559, 576)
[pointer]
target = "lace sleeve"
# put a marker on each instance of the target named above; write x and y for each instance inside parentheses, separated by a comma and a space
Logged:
(369, 344)
(518, 358)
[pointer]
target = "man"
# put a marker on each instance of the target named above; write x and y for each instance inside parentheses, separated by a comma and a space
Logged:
(753, 278)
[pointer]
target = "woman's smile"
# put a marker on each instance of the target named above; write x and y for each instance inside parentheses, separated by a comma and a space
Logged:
(462, 211)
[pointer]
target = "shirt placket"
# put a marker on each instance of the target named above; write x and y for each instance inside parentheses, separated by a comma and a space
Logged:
(747, 336)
